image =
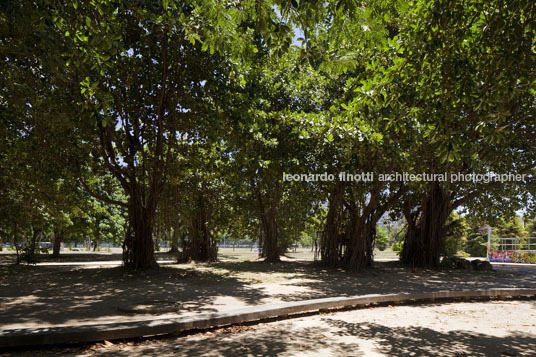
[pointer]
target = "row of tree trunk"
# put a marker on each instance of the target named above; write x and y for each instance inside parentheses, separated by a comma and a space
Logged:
(347, 240)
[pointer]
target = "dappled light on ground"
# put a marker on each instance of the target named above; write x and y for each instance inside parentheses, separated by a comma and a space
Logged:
(70, 295)
(498, 328)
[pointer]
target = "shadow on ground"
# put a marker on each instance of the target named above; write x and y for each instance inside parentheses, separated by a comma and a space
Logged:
(422, 341)
(62, 295)
(330, 337)
(314, 281)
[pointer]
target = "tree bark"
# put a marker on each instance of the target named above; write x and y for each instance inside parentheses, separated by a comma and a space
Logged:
(423, 243)
(16, 241)
(56, 244)
(200, 244)
(350, 231)
(360, 251)
(138, 247)
(331, 236)
(268, 222)
(174, 241)
(270, 248)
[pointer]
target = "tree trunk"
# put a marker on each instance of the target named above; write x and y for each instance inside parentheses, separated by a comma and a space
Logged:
(96, 235)
(157, 238)
(16, 241)
(360, 251)
(174, 241)
(138, 247)
(199, 245)
(423, 243)
(56, 244)
(268, 220)
(270, 248)
(350, 231)
(349, 234)
(32, 247)
(331, 236)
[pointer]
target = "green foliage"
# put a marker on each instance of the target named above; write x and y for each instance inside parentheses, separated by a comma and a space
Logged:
(509, 227)
(397, 247)
(382, 239)
(461, 253)
(30, 254)
(125, 119)
(457, 231)
(476, 243)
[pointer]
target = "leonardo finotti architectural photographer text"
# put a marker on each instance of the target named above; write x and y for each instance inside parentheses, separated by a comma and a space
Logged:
(406, 177)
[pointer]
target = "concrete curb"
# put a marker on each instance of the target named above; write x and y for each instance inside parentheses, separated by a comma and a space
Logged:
(524, 265)
(91, 333)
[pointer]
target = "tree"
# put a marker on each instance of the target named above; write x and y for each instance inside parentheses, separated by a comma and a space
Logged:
(477, 243)
(469, 99)
(186, 115)
(509, 227)
(267, 145)
(144, 85)
(353, 137)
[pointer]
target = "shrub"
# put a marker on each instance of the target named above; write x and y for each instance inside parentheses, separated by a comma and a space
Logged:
(457, 229)
(397, 247)
(461, 253)
(31, 253)
(476, 244)
(382, 240)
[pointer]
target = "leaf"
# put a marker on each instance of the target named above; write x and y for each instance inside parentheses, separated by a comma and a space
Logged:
(377, 137)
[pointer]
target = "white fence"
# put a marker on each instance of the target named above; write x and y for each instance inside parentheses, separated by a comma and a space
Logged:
(520, 250)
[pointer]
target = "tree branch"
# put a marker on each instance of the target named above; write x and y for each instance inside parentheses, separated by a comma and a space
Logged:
(99, 196)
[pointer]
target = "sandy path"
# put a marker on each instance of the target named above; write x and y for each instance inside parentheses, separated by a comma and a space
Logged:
(496, 328)
(57, 296)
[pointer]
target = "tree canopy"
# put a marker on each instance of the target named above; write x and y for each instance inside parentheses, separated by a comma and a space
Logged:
(184, 116)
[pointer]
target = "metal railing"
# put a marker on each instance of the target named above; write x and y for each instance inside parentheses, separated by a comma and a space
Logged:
(512, 250)
(514, 243)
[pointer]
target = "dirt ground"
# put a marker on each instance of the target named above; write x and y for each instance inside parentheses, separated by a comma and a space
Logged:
(494, 328)
(44, 296)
